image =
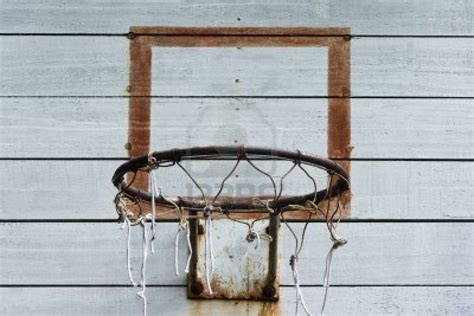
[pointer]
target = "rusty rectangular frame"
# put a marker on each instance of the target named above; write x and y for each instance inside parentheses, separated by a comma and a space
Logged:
(337, 39)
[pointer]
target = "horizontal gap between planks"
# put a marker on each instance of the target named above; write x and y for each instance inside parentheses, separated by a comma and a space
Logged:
(184, 286)
(348, 220)
(230, 158)
(352, 36)
(233, 97)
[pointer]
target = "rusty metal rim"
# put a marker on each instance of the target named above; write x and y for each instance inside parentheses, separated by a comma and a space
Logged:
(168, 158)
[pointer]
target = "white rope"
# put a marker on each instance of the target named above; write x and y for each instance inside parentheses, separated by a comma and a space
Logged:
(142, 295)
(327, 273)
(258, 240)
(145, 245)
(209, 256)
(211, 247)
(153, 190)
(254, 235)
(183, 226)
(190, 248)
(299, 293)
(176, 250)
(127, 224)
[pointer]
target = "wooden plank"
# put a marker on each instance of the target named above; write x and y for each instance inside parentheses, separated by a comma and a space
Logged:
(63, 66)
(364, 16)
(94, 253)
(388, 128)
(60, 66)
(381, 189)
(172, 301)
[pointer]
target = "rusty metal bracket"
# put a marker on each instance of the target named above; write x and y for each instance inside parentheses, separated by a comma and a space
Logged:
(231, 285)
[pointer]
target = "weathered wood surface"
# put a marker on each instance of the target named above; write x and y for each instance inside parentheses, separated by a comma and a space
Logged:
(377, 253)
(172, 301)
(423, 17)
(61, 66)
(381, 189)
(97, 127)
(388, 255)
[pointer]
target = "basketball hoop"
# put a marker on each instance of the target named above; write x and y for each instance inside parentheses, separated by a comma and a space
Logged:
(323, 202)
(169, 158)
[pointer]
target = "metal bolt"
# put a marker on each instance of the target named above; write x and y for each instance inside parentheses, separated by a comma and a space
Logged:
(128, 146)
(349, 148)
(196, 288)
(131, 35)
(268, 291)
(129, 88)
(347, 37)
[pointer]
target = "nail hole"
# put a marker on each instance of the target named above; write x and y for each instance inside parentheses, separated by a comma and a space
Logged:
(237, 80)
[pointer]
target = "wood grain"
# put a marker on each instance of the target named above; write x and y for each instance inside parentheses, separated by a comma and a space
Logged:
(97, 127)
(94, 253)
(387, 268)
(364, 16)
(381, 189)
(60, 66)
(172, 301)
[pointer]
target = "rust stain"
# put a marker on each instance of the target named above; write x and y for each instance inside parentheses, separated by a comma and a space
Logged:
(231, 31)
(337, 39)
(234, 41)
(139, 106)
(270, 309)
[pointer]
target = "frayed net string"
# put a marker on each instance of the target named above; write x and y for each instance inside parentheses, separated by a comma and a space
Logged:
(190, 248)
(299, 293)
(209, 256)
(257, 235)
(176, 250)
(127, 224)
(337, 242)
(254, 235)
(145, 245)
(153, 190)
(327, 277)
(294, 269)
(183, 226)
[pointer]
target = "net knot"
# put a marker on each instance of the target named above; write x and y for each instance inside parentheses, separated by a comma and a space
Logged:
(209, 209)
(298, 158)
(293, 260)
(338, 242)
(183, 223)
(152, 161)
(174, 157)
(265, 204)
(252, 235)
(242, 154)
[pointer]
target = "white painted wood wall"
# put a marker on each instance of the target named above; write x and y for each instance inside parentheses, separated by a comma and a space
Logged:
(63, 115)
